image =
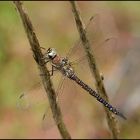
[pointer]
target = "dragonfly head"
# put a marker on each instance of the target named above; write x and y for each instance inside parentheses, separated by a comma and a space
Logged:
(50, 54)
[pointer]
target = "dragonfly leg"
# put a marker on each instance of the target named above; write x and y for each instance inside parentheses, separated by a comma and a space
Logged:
(50, 71)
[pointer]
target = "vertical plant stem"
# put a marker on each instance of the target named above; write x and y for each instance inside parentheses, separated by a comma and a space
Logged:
(34, 43)
(112, 122)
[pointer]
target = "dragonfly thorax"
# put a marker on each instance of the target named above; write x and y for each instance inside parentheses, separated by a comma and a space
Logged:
(62, 64)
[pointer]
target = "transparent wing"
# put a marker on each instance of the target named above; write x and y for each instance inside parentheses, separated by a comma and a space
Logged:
(111, 41)
(93, 20)
(35, 99)
(30, 97)
(46, 116)
(35, 95)
(100, 45)
(102, 52)
(66, 98)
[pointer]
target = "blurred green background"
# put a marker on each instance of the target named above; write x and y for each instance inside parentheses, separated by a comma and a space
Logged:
(55, 27)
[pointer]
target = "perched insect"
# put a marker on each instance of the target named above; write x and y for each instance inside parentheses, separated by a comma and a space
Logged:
(63, 65)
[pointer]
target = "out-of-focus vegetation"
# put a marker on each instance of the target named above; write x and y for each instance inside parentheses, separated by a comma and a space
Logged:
(55, 27)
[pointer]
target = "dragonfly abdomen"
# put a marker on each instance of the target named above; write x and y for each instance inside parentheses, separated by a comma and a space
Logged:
(96, 95)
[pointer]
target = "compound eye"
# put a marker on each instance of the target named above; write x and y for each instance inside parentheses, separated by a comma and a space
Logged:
(50, 56)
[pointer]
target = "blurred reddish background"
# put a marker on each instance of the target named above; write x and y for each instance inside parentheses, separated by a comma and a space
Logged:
(118, 60)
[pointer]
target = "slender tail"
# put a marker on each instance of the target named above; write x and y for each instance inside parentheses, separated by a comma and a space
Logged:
(97, 96)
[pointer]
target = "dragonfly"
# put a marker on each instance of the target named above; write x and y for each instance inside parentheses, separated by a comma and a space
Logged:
(65, 67)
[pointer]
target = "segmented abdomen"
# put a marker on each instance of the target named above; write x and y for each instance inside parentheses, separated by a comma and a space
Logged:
(96, 95)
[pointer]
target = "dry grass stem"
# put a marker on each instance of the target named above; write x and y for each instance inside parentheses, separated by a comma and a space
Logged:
(34, 43)
(112, 122)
